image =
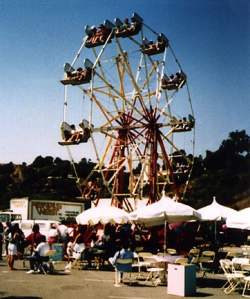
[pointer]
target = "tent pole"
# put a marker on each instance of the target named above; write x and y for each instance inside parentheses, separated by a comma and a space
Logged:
(215, 232)
(165, 237)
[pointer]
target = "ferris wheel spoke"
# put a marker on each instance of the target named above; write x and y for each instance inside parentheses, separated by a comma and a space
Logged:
(130, 73)
(150, 74)
(102, 50)
(176, 60)
(120, 95)
(179, 151)
(79, 52)
(169, 141)
(135, 146)
(108, 85)
(101, 162)
(100, 90)
(108, 115)
(65, 103)
(163, 112)
(121, 75)
(121, 164)
(147, 78)
(156, 71)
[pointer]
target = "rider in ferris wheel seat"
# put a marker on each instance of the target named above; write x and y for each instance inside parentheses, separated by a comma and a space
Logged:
(71, 135)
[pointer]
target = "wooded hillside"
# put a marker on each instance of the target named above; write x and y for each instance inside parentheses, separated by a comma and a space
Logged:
(224, 173)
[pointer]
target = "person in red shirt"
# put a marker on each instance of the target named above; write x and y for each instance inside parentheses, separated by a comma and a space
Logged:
(35, 237)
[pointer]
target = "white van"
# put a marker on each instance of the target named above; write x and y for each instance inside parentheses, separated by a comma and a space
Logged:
(44, 225)
(8, 216)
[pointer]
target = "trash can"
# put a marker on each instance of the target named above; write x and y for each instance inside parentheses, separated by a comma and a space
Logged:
(181, 280)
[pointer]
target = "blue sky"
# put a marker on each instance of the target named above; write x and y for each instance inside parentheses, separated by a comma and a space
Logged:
(211, 40)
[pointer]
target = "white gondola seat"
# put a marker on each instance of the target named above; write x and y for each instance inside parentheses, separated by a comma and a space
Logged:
(73, 136)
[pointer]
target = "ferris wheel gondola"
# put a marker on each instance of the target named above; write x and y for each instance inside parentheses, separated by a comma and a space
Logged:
(138, 112)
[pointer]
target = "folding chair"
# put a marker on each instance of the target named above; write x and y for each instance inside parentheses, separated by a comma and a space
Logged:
(122, 266)
(246, 286)
(246, 267)
(233, 279)
(206, 262)
(246, 250)
(27, 253)
(145, 254)
(181, 261)
(234, 252)
(140, 264)
(238, 264)
(171, 251)
(155, 273)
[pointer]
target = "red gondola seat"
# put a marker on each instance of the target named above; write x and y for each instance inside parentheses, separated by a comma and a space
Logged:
(126, 29)
(152, 48)
(183, 125)
(79, 76)
(98, 36)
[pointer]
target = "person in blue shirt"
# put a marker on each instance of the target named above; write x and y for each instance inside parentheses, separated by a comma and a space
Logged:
(124, 253)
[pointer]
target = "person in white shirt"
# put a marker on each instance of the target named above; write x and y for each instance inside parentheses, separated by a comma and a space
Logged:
(53, 234)
(40, 254)
(63, 234)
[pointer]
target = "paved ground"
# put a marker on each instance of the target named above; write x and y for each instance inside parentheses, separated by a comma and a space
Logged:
(88, 284)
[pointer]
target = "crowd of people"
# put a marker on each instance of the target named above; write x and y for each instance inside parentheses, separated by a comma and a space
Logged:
(77, 242)
(100, 242)
(15, 242)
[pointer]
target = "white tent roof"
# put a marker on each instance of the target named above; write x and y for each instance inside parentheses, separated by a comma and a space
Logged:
(102, 214)
(215, 211)
(240, 220)
(166, 209)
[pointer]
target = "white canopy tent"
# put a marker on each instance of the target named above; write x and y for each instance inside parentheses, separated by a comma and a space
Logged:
(104, 215)
(240, 220)
(164, 210)
(215, 212)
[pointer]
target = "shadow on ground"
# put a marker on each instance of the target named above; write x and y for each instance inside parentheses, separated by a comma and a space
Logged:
(210, 283)
(201, 294)
(21, 297)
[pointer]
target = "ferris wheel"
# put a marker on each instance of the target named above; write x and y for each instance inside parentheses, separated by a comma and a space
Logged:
(136, 115)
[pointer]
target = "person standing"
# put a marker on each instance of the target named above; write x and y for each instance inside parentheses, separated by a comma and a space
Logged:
(63, 234)
(1, 240)
(15, 236)
(52, 234)
(6, 234)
